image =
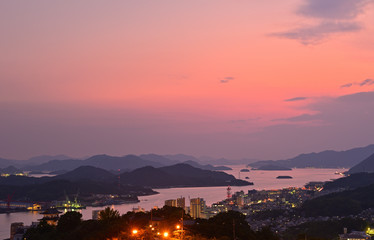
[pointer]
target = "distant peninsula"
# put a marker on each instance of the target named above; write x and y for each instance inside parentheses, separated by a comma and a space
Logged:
(207, 166)
(91, 181)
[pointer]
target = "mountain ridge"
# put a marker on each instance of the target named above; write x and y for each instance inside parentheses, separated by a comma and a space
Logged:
(180, 175)
(366, 165)
(324, 159)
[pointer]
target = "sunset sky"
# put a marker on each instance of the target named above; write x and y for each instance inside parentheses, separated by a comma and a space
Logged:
(224, 78)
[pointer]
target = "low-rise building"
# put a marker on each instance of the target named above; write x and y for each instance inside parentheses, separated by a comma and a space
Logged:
(51, 216)
(18, 230)
(354, 235)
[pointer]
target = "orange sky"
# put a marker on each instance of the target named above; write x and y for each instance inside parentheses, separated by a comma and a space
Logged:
(203, 74)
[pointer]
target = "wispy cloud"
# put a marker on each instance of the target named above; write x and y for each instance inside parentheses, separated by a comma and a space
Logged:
(309, 35)
(337, 122)
(366, 82)
(243, 121)
(299, 118)
(226, 79)
(346, 85)
(330, 110)
(295, 99)
(333, 9)
(333, 17)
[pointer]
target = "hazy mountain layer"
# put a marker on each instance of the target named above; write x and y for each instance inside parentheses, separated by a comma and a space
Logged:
(325, 159)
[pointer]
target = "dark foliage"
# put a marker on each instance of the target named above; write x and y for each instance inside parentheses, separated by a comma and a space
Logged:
(69, 222)
(324, 230)
(331, 206)
(266, 234)
(43, 231)
(224, 225)
(351, 182)
(341, 203)
(111, 225)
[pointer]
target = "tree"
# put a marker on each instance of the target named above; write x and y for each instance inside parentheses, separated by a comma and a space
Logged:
(92, 230)
(112, 222)
(43, 231)
(69, 221)
(108, 214)
(266, 234)
(224, 225)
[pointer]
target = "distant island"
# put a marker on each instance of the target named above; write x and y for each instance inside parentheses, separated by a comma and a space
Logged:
(180, 175)
(244, 170)
(284, 177)
(271, 167)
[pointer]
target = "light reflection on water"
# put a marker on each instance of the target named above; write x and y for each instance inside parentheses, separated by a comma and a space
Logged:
(261, 179)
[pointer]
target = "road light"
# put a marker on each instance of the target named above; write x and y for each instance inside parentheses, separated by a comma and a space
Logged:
(178, 227)
(134, 231)
(166, 234)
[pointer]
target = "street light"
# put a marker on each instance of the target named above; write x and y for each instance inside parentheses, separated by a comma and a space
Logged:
(178, 227)
(134, 231)
(166, 234)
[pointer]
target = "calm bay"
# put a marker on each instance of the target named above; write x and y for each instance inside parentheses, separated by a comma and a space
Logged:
(262, 180)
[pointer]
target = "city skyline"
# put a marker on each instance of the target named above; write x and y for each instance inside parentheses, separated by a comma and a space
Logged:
(233, 79)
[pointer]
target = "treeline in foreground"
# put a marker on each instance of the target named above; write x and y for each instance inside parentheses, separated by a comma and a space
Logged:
(166, 224)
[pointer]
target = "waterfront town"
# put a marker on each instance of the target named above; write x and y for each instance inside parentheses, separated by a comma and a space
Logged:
(275, 210)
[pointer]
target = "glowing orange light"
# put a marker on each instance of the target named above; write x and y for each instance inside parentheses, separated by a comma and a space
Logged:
(166, 234)
(178, 227)
(134, 231)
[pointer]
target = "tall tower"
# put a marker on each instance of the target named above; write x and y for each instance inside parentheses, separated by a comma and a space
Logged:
(228, 192)
(119, 181)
